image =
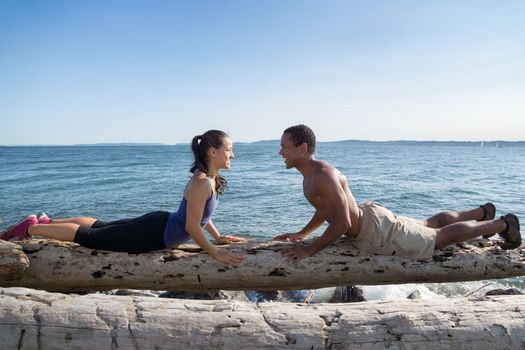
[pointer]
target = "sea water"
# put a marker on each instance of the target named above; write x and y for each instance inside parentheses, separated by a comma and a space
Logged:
(263, 198)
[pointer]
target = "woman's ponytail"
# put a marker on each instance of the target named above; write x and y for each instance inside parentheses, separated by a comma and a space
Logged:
(199, 153)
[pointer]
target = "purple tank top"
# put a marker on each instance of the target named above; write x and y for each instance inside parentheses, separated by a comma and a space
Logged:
(175, 231)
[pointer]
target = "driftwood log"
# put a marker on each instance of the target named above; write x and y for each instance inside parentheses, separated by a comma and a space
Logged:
(67, 267)
(31, 319)
(12, 259)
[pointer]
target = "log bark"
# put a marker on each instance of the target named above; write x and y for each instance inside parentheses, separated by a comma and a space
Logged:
(67, 267)
(12, 259)
(31, 319)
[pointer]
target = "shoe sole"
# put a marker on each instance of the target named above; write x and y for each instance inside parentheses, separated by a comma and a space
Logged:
(12, 227)
(513, 221)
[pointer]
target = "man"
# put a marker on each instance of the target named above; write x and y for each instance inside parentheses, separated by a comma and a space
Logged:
(375, 229)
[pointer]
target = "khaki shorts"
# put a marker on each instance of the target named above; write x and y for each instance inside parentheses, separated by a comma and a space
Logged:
(387, 234)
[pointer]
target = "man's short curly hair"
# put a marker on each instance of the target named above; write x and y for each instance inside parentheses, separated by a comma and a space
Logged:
(300, 134)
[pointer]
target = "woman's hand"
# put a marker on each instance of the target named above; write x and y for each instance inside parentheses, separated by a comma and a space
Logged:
(290, 237)
(230, 239)
(229, 258)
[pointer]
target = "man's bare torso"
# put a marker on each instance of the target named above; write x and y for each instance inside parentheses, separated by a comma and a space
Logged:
(312, 193)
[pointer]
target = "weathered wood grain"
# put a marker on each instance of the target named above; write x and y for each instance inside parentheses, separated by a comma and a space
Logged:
(67, 267)
(31, 319)
(12, 259)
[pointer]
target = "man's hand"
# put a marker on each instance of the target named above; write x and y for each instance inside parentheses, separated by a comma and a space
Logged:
(231, 239)
(290, 237)
(229, 258)
(293, 255)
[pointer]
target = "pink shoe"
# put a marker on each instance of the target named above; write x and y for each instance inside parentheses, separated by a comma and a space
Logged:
(19, 230)
(43, 219)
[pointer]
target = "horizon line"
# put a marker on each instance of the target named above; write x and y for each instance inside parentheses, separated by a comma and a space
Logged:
(258, 141)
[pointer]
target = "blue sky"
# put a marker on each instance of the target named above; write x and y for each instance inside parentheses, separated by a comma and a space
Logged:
(162, 71)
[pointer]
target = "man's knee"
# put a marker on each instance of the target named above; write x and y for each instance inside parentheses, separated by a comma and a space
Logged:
(442, 240)
(439, 220)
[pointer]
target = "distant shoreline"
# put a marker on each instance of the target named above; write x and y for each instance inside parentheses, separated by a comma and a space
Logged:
(484, 144)
(487, 144)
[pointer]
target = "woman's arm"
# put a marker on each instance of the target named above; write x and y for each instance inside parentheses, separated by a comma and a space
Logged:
(198, 192)
(212, 230)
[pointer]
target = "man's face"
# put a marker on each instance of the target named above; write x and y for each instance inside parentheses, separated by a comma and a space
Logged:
(289, 151)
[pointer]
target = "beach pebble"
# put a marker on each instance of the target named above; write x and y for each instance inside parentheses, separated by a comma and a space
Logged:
(414, 295)
(510, 291)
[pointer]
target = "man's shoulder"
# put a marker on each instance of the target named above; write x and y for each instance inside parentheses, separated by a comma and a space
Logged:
(325, 168)
(326, 173)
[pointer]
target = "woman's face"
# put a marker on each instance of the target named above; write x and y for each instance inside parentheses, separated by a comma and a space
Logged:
(222, 156)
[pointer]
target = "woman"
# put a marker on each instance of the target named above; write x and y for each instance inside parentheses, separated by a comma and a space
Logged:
(156, 230)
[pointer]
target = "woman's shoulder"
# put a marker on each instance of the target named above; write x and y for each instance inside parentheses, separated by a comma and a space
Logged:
(199, 183)
(199, 177)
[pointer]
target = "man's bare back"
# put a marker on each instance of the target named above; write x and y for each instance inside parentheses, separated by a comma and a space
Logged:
(316, 198)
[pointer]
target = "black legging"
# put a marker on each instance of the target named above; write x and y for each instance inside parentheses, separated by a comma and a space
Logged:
(137, 235)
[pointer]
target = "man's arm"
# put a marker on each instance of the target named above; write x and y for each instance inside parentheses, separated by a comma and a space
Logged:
(336, 212)
(317, 220)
